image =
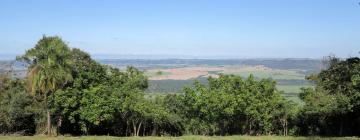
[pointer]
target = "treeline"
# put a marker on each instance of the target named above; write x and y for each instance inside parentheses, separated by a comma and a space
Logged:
(67, 92)
(176, 86)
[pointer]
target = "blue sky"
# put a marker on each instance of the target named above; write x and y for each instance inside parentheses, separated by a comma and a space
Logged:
(229, 28)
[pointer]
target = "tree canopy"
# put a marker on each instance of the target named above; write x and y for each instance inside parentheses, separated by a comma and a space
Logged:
(332, 108)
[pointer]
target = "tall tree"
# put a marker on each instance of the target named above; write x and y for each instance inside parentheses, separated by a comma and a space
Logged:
(49, 69)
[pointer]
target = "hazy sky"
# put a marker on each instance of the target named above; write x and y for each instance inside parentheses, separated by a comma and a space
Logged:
(233, 28)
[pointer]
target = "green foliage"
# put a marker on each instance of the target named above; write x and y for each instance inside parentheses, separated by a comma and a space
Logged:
(80, 96)
(333, 107)
(97, 95)
(232, 105)
(50, 65)
(16, 114)
(159, 73)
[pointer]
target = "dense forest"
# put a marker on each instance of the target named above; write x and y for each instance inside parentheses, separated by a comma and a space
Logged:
(65, 91)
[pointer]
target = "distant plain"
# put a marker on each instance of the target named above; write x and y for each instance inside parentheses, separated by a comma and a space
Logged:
(171, 75)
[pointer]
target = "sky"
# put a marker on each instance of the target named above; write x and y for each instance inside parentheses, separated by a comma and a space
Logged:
(202, 28)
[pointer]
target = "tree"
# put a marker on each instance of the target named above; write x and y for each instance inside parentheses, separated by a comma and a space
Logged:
(335, 101)
(49, 69)
(16, 107)
(101, 99)
(233, 105)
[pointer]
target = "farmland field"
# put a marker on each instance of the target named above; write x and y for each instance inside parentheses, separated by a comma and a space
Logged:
(172, 80)
(190, 72)
(175, 138)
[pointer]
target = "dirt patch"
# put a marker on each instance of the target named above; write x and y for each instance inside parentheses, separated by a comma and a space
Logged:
(185, 73)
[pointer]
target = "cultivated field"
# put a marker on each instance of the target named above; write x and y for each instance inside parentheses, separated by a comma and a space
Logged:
(191, 72)
(171, 80)
(185, 73)
(177, 138)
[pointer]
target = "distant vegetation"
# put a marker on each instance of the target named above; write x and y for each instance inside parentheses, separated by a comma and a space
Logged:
(302, 64)
(66, 92)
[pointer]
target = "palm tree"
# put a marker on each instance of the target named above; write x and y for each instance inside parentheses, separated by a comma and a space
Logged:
(49, 69)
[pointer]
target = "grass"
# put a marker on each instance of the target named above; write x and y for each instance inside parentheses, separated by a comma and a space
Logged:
(175, 138)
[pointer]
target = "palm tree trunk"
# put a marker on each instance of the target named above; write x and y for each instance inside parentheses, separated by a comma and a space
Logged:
(48, 125)
(48, 117)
